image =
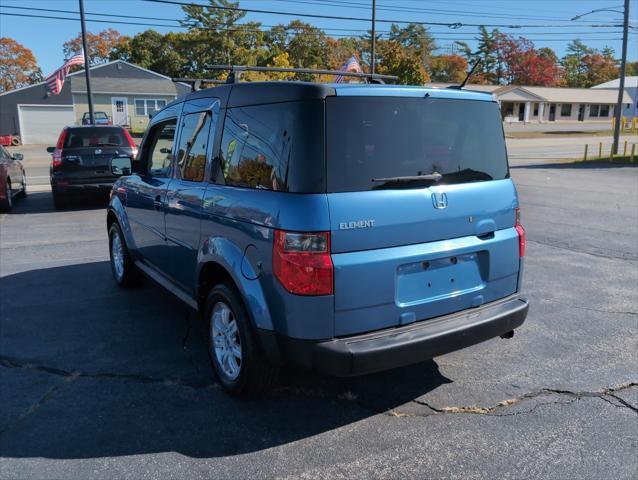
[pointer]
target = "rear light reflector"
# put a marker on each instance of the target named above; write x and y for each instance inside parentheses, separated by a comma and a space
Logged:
(131, 142)
(302, 262)
(56, 156)
(521, 234)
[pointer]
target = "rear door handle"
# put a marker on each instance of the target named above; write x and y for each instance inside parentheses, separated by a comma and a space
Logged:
(157, 203)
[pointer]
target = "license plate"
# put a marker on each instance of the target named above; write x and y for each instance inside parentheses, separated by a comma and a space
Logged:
(435, 279)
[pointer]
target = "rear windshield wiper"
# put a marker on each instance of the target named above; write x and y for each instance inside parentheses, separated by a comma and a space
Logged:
(466, 175)
(107, 145)
(434, 176)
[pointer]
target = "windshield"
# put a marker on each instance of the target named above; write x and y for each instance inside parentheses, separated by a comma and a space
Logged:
(376, 142)
(96, 115)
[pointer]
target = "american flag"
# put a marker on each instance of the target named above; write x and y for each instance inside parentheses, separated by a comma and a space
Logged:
(55, 81)
(352, 65)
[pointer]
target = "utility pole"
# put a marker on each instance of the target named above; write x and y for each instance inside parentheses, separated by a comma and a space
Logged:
(621, 87)
(87, 72)
(374, 36)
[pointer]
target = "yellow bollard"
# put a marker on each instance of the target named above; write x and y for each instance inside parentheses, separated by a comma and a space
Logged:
(633, 151)
(624, 152)
(634, 124)
(585, 156)
(600, 150)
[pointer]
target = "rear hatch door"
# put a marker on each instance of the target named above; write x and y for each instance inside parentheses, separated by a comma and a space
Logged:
(88, 152)
(422, 209)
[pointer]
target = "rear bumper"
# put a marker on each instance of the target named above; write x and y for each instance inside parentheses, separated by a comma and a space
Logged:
(397, 347)
(79, 188)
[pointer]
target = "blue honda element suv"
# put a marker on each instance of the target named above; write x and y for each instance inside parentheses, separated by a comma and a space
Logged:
(346, 229)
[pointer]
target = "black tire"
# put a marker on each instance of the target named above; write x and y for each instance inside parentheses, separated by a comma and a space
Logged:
(256, 373)
(60, 201)
(23, 192)
(129, 276)
(6, 205)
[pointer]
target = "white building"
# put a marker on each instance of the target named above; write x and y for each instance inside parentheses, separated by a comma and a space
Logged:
(552, 104)
(631, 87)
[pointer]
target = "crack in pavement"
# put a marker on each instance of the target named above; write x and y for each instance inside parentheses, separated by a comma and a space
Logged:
(12, 363)
(619, 312)
(560, 245)
(38, 403)
(602, 394)
(70, 376)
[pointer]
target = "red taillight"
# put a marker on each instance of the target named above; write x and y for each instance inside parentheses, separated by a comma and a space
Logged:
(521, 233)
(302, 262)
(56, 156)
(131, 143)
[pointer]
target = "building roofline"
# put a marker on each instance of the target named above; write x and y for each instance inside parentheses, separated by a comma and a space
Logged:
(94, 67)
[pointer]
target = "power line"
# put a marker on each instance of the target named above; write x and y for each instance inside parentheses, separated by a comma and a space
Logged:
(446, 12)
(265, 31)
(180, 23)
(454, 25)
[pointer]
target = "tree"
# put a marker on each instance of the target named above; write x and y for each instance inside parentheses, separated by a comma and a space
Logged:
(585, 67)
(396, 61)
(18, 66)
(523, 65)
(599, 68)
(631, 69)
(100, 45)
(161, 53)
(448, 68)
(575, 72)
(216, 37)
(415, 40)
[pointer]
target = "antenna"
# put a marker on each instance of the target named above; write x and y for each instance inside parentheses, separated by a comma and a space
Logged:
(467, 77)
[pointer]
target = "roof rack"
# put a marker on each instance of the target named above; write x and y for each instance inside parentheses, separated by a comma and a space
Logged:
(196, 83)
(236, 71)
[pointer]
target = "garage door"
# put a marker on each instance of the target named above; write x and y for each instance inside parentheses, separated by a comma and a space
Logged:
(43, 124)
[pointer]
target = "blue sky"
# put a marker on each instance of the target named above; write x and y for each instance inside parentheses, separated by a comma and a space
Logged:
(46, 36)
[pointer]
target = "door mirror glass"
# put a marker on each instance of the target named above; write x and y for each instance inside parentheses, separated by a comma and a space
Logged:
(18, 156)
(121, 166)
(50, 149)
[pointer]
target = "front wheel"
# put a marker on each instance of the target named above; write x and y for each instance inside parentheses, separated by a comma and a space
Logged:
(125, 273)
(23, 192)
(7, 204)
(235, 355)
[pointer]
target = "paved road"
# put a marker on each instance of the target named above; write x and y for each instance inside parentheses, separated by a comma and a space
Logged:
(530, 150)
(521, 151)
(102, 383)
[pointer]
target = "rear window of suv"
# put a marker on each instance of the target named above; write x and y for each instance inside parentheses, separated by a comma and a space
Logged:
(95, 137)
(387, 137)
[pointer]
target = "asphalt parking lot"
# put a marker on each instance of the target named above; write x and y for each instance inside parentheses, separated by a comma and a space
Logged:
(99, 382)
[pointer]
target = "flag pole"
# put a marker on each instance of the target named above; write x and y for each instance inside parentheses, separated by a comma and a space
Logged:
(87, 72)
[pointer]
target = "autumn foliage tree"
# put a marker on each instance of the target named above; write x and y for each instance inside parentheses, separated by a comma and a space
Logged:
(18, 66)
(100, 45)
(448, 68)
(524, 65)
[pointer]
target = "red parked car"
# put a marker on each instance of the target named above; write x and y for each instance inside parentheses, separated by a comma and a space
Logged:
(13, 180)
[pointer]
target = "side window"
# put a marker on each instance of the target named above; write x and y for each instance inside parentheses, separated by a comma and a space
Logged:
(256, 146)
(160, 149)
(191, 155)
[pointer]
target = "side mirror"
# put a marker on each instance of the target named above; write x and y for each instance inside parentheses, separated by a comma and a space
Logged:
(166, 151)
(18, 156)
(121, 166)
(50, 149)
